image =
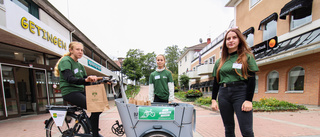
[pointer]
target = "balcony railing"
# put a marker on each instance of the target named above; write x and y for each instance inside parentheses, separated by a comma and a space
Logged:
(205, 69)
(193, 75)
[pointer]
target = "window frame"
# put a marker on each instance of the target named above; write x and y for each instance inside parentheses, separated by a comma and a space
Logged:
(253, 4)
(264, 37)
(272, 91)
(307, 18)
(257, 84)
(288, 82)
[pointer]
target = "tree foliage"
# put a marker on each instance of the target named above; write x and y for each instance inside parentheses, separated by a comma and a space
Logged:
(132, 64)
(172, 54)
(184, 81)
(149, 64)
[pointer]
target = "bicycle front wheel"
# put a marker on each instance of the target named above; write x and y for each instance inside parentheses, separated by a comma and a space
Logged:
(157, 134)
(69, 128)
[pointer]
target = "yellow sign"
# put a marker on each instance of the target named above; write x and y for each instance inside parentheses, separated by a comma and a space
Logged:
(34, 28)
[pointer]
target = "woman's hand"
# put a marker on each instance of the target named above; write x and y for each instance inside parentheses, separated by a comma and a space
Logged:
(214, 105)
(91, 79)
(246, 106)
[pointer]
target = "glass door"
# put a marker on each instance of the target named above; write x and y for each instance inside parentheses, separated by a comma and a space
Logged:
(10, 91)
(41, 89)
(54, 89)
(26, 93)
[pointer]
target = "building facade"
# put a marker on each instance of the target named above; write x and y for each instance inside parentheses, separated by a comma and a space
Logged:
(285, 39)
(286, 44)
(34, 35)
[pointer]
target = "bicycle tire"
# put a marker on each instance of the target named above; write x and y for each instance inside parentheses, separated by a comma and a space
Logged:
(53, 131)
(157, 134)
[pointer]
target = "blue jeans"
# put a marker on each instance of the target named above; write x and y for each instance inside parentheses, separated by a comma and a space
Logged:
(230, 101)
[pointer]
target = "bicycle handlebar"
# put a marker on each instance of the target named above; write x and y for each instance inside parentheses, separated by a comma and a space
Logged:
(103, 80)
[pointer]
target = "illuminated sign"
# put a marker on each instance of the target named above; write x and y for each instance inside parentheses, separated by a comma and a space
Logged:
(266, 45)
(35, 29)
(94, 65)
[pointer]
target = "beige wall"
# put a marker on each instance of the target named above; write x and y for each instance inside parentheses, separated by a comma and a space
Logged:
(246, 17)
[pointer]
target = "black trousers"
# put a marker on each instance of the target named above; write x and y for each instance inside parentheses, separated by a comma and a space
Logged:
(157, 99)
(79, 99)
(230, 102)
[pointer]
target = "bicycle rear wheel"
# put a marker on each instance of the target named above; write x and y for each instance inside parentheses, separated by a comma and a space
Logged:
(68, 128)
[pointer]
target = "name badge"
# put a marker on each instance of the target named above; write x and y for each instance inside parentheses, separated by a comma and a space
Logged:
(237, 66)
(76, 71)
(157, 77)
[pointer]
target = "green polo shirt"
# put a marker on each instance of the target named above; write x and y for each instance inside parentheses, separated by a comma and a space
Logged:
(160, 82)
(228, 74)
(78, 72)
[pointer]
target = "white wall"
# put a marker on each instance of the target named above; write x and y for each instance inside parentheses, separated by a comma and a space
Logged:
(48, 20)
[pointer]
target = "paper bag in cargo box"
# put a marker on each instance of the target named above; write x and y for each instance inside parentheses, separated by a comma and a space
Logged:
(96, 97)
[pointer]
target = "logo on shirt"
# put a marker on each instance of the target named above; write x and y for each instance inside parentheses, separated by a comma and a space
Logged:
(164, 77)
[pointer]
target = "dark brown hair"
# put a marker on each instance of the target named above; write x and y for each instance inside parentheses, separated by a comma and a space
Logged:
(242, 52)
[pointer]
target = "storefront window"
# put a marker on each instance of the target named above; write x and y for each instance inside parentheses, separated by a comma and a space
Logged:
(51, 60)
(273, 81)
(15, 53)
(296, 79)
(10, 92)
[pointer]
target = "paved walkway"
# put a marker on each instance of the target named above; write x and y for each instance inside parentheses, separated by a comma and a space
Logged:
(209, 123)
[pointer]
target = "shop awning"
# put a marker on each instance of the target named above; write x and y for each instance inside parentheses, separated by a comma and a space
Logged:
(248, 31)
(273, 16)
(298, 8)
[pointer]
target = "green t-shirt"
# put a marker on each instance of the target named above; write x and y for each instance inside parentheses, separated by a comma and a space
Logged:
(78, 72)
(228, 74)
(160, 82)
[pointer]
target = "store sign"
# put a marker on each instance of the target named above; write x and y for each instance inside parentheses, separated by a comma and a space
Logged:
(94, 65)
(266, 45)
(41, 32)
(22, 24)
(156, 113)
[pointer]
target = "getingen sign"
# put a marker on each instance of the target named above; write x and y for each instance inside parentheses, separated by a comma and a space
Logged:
(35, 29)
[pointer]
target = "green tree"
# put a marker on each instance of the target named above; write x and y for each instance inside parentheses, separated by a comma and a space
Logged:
(132, 64)
(149, 64)
(184, 81)
(172, 54)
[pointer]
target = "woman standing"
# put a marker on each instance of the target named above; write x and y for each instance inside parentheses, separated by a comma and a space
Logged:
(73, 79)
(161, 86)
(234, 79)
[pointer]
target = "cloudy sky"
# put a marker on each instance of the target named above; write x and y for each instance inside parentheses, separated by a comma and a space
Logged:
(116, 26)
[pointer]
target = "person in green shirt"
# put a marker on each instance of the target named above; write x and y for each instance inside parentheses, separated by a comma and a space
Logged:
(73, 77)
(234, 79)
(161, 85)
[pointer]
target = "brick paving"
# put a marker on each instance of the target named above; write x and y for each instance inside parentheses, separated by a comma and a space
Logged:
(209, 124)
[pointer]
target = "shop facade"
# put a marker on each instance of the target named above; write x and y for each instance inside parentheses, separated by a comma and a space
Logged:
(34, 35)
(285, 38)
